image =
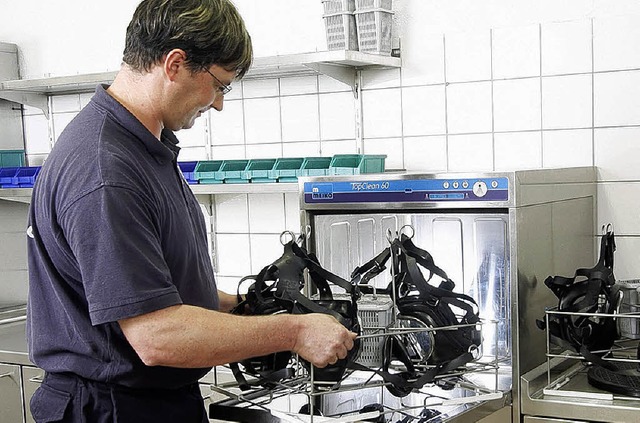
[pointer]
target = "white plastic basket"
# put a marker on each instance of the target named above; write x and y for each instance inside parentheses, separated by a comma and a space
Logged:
(376, 315)
(374, 31)
(337, 6)
(341, 31)
(374, 4)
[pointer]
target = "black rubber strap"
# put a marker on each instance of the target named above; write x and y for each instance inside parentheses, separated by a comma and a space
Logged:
(361, 275)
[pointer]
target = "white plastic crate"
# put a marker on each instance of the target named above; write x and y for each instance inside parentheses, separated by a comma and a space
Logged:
(341, 31)
(374, 4)
(337, 6)
(374, 31)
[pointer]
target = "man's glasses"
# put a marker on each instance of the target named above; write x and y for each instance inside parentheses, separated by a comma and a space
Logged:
(224, 88)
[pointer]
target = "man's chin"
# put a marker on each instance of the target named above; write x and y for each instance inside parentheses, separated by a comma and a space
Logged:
(189, 123)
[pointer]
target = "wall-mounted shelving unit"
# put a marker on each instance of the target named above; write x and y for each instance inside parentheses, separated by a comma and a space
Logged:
(341, 65)
(23, 195)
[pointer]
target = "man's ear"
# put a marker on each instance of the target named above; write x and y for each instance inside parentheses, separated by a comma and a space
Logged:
(173, 61)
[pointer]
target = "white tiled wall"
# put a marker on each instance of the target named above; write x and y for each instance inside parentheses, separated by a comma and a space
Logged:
(536, 95)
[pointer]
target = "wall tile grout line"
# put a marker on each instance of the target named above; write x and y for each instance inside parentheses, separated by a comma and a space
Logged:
(542, 164)
(593, 98)
(493, 115)
(446, 101)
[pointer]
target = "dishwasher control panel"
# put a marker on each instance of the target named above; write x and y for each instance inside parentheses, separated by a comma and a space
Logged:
(408, 190)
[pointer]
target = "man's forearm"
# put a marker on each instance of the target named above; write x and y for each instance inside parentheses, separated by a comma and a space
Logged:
(187, 336)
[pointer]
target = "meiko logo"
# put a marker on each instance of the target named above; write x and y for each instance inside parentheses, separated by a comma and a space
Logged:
(322, 191)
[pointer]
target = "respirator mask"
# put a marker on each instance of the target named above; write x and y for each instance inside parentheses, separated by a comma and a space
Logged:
(439, 327)
(278, 289)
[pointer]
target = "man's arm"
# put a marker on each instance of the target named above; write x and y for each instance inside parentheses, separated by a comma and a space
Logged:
(187, 336)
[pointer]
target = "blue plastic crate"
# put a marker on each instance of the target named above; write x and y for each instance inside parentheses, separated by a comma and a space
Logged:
(188, 170)
(11, 158)
(286, 169)
(257, 170)
(6, 177)
(205, 172)
(25, 177)
(315, 166)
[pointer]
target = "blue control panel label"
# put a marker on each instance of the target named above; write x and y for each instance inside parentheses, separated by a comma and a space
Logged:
(408, 190)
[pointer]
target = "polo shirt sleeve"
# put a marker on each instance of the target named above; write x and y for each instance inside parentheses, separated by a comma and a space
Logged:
(114, 235)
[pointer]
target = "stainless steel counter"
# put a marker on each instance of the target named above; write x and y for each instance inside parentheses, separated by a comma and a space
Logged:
(13, 344)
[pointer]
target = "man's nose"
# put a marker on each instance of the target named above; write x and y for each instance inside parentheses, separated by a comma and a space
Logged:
(218, 103)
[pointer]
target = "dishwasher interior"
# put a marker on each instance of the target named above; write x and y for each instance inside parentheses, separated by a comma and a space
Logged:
(496, 235)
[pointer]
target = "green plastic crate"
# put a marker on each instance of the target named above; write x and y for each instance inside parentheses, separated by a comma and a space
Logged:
(286, 169)
(345, 164)
(355, 164)
(11, 158)
(258, 170)
(205, 172)
(315, 166)
(231, 171)
(372, 163)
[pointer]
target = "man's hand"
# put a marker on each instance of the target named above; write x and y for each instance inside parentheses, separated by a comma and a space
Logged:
(322, 340)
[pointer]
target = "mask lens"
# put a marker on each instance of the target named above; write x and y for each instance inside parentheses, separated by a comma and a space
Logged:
(420, 343)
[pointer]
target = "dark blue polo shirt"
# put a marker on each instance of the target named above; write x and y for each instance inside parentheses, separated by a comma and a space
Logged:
(116, 233)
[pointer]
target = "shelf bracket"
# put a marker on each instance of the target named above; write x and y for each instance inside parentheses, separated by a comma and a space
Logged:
(344, 74)
(30, 99)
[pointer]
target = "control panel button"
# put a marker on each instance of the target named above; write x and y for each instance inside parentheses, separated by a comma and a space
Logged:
(480, 189)
(494, 184)
(465, 184)
(445, 185)
(456, 184)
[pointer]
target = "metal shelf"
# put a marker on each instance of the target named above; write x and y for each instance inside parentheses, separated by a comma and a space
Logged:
(23, 195)
(266, 188)
(341, 65)
(19, 195)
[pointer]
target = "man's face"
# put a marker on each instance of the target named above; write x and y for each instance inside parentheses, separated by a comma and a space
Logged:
(202, 91)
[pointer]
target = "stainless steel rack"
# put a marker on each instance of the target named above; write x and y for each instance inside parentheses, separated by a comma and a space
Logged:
(343, 401)
(560, 388)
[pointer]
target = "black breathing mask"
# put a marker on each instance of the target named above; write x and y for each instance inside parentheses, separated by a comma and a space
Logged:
(278, 289)
(422, 309)
(589, 291)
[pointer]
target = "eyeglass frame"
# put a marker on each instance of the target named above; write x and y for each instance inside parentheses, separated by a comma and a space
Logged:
(224, 88)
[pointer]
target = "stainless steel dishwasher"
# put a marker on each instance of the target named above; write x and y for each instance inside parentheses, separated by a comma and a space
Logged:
(497, 235)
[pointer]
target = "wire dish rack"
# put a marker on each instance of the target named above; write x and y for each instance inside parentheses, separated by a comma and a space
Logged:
(571, 375)
(366, 394)
(362, 395)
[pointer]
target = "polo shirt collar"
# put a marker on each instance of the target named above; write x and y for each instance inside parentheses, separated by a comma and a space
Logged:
(164, 151)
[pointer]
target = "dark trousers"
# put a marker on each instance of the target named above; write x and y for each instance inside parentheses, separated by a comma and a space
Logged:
(71, 399)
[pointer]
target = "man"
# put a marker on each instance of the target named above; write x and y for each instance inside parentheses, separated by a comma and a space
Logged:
(124, 315)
